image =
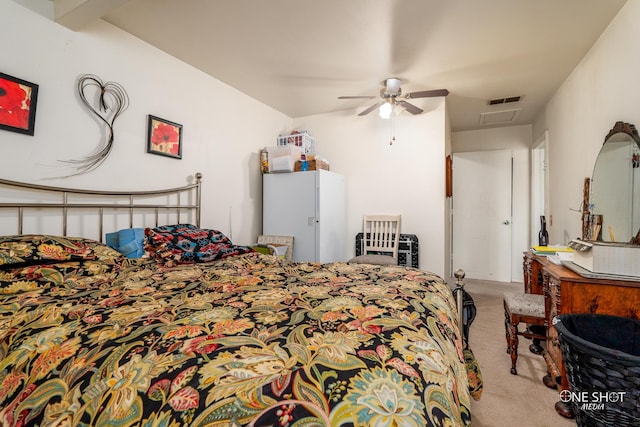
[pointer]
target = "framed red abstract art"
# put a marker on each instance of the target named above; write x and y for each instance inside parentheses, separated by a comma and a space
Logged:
(164, 137)
(17, 104)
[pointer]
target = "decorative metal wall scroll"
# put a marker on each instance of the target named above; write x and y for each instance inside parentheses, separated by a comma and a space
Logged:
(106, 101)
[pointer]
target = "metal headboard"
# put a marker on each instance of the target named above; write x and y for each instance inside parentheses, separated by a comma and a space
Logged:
(134, 204)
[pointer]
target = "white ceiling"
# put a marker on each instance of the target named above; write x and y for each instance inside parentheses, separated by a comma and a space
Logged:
(298, 56)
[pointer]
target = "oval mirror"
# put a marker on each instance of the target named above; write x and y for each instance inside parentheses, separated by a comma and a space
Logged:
(615, 184)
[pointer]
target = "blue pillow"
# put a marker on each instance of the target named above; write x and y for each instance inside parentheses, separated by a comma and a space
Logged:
(129, 242)
(111, 239)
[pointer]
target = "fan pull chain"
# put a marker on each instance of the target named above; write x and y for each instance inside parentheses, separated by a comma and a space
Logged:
(392, 136)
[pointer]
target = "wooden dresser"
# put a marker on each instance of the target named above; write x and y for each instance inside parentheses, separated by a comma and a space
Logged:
(567, 292)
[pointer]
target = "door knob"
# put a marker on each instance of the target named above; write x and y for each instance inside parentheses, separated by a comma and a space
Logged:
(506, 222)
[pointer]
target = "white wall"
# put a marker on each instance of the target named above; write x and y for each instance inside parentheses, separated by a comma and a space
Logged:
(602, 89)
(518, 140)
(223, 128)
(406, 177)
(223, 132)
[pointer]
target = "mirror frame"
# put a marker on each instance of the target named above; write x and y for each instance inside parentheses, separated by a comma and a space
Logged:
(622, 127)
(619, 127)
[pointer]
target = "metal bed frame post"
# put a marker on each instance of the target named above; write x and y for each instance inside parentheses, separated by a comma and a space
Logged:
(178, 209)
(198, 197)
(20, 214)
(130, 211)
(65, 203)
(459, 292)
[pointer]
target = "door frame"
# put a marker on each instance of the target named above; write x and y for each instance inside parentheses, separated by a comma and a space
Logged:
(539, 184)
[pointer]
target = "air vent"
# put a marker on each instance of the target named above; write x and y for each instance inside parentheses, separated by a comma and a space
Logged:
(499, 101)
(499, 117)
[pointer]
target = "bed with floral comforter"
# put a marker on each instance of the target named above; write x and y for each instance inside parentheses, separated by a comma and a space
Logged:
(88, 337)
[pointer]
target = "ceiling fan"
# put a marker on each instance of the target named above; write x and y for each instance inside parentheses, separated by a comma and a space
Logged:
(391, 95)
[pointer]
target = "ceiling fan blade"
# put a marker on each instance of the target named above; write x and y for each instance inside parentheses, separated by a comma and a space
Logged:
(370, 109)
(427, 93)
(410, 107)
(357, 97)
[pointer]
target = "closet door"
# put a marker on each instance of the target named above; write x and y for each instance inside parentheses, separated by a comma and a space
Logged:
(481, 214)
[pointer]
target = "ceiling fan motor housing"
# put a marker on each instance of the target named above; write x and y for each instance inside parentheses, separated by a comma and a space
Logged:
(389, 97)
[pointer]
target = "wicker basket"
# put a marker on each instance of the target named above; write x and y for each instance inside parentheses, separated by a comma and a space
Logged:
(601, 354)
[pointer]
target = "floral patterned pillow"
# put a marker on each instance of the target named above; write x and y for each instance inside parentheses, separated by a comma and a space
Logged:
(104, 253)
(186, 244)
(29, 249)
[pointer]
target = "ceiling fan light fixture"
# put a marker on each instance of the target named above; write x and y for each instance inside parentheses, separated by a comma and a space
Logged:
(385, 110)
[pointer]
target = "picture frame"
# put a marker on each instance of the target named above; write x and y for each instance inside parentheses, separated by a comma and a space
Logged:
(18, 101)
(164, 137)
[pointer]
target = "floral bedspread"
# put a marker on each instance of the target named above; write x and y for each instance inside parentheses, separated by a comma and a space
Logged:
(247, 340)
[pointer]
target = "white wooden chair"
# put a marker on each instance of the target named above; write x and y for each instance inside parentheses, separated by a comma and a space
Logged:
(380, 239)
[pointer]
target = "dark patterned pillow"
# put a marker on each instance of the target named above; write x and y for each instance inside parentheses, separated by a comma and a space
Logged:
(30, 249)
(186, 244)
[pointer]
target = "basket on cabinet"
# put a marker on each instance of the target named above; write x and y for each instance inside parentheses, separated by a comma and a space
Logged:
(301, 139)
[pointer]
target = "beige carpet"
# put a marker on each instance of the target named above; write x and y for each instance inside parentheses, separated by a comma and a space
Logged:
(507, 400)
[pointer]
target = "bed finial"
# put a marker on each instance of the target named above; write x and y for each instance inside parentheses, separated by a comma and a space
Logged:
(198, 184)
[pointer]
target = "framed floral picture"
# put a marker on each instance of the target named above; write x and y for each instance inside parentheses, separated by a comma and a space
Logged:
(18, 100)
(164, 137)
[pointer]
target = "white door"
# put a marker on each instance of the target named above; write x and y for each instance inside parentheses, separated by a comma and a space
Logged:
(331, 220)
(481, 214)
